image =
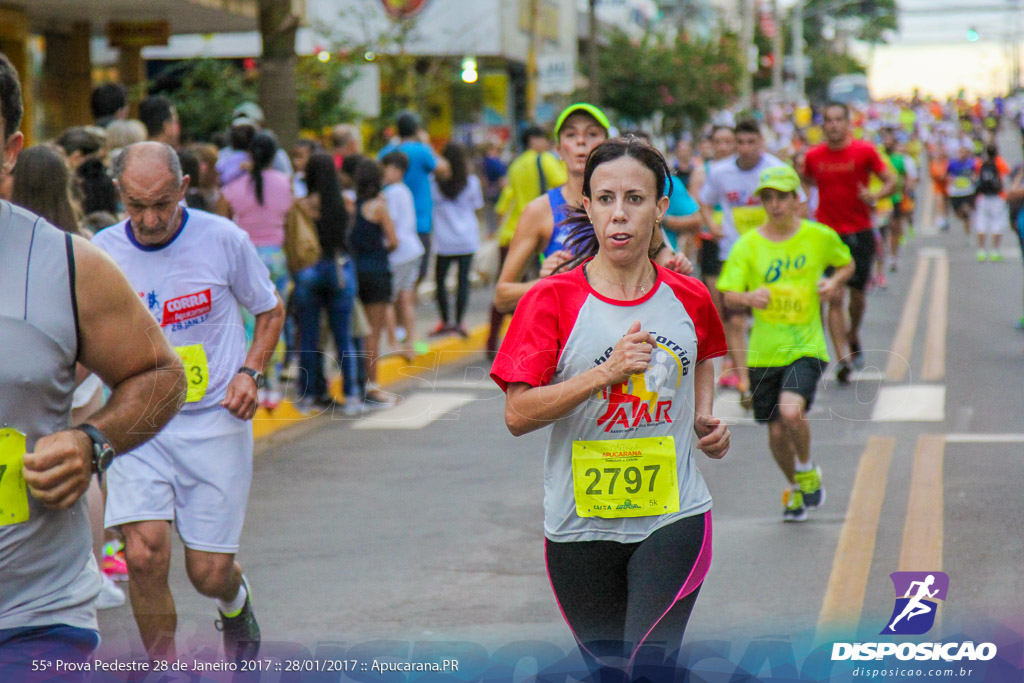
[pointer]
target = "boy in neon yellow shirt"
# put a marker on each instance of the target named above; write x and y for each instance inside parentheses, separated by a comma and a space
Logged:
(778, 271)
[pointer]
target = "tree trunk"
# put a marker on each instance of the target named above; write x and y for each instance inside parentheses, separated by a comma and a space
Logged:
(277, 94)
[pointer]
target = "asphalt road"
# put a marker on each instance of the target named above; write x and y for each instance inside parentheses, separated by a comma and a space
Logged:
(418, 534)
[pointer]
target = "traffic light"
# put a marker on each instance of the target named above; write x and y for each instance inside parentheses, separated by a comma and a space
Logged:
(972, 35)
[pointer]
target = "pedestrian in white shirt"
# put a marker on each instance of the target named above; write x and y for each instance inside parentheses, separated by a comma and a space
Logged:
(456, 234)
(405, 261)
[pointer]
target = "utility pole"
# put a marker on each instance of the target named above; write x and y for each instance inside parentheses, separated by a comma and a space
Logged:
(592, 66)
(531, 61)
(748, 50)
(1017, 27)
(778, 50)
(798, 51)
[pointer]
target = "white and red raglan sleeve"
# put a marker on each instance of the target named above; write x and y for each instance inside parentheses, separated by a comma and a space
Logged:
(536, 336)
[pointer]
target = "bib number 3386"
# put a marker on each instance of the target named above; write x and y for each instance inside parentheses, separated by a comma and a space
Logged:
(625, 477)
(13, 492)
(197, 371)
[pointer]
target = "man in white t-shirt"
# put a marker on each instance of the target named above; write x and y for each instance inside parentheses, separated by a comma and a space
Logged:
(405, 260)
(192, 270)
(732, 183)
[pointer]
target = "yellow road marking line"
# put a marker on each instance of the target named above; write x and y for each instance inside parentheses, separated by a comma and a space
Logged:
(935, 338)
(923, 529)
(903, 341)
(847, 583)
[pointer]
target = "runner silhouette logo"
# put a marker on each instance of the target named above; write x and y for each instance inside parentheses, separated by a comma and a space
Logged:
(917, 596)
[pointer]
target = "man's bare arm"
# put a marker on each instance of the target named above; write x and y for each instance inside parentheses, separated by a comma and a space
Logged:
(125, 347)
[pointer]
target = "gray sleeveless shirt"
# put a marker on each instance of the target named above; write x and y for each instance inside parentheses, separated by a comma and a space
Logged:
(48, 574)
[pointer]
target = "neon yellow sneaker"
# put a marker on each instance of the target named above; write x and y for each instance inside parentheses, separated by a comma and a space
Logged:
(811, 488)
(793, 509)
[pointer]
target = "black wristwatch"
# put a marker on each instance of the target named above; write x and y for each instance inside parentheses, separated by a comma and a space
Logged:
(256, 375)
(102, 452)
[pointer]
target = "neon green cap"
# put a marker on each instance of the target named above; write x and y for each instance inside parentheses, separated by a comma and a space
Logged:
(590, 109)
(782, 178)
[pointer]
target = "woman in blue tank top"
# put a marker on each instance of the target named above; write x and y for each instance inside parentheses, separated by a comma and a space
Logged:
(559, 211)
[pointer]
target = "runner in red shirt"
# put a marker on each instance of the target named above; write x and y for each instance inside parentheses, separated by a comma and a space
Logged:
(841, 167)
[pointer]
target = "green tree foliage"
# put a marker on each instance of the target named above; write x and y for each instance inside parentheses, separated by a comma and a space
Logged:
(874, 20)
(682, 79)
(827, 65)
(210, 90)
(321, 87)
(870, 21)
(407, 81)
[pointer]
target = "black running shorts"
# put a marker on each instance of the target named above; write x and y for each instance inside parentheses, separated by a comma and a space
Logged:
(707, 259)
(799, 377)
(862, 249)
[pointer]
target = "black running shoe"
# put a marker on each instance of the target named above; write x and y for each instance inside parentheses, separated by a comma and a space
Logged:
(857, 355)
(843, 373)
(241, 632)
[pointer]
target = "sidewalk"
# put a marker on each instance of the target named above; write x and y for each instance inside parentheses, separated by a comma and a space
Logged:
(393, 368)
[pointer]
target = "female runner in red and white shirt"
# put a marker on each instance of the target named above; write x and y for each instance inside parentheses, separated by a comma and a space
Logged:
(616, 354)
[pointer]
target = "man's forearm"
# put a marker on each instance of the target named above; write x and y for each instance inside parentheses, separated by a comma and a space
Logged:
(684, 224)
(266, 333)
(141, 406)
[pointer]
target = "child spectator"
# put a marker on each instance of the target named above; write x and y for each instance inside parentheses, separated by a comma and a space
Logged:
(405, 261)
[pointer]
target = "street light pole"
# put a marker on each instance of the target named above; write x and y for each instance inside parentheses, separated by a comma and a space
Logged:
(747, 46)
(593, 90)
(531, 61)
(798, 51)
(778, 47)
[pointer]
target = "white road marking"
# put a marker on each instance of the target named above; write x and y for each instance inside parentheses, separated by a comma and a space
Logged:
(483, 385)
(417, 411)
(932, 252)
(728, 408)
(918, 403)
(984, 438)
(868, 374)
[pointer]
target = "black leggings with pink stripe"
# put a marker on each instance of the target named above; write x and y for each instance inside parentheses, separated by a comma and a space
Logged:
(621, 599)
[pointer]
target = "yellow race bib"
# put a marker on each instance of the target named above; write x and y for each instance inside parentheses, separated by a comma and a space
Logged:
(747, 218)
(789, 305)
(625, 477)
(197, 371)
(962, 183)
(13, 492)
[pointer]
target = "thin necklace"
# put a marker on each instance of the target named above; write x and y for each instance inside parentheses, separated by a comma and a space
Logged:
(643, 290)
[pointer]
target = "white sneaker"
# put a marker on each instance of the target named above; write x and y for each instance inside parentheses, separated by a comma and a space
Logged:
(110, 595)
(354, 406)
